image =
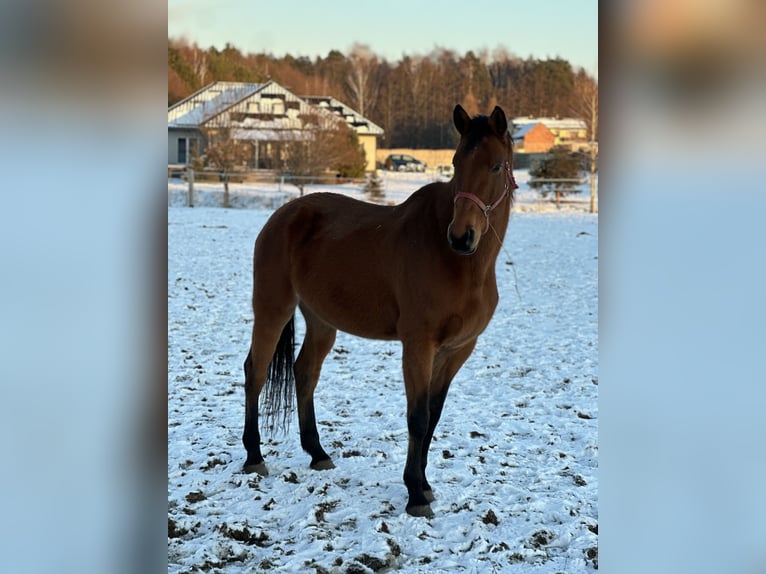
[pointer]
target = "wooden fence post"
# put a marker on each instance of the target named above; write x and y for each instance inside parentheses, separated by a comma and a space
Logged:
(190, 180)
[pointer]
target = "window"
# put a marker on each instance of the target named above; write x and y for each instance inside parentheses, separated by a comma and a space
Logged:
(181, 150)
(188, 149)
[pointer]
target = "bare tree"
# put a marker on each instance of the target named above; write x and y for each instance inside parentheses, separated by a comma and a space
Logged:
(199, 63)
(586, 107)
(324, 142)
(225, 154)
(362, 81)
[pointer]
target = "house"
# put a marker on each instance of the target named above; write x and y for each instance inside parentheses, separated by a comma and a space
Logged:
(265, 115)
(533, 138)
(569, 132)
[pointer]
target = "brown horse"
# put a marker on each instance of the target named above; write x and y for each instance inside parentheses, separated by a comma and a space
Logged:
(421, 272)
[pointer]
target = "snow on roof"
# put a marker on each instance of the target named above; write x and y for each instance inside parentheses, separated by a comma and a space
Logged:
(209, 102)
(235, 97)
(354, 119)
(269, 135)
(552, 123)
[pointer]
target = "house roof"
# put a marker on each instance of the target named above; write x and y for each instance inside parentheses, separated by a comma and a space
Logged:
(247, 108)
(354, 119)
(522, 130)
(208, 102)
(552, 123)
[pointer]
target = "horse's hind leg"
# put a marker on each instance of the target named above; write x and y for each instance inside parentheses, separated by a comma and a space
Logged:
(251, 437)
(262, 348)
(317, 344)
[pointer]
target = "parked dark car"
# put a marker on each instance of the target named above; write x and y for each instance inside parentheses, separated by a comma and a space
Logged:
(403, 162)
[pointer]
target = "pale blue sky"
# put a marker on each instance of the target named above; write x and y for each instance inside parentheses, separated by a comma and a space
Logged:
(538, 28)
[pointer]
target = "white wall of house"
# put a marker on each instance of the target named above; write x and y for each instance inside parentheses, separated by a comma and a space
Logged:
(181, 143)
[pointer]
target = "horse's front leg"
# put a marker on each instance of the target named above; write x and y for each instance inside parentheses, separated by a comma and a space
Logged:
(417, 361)
(447, 363)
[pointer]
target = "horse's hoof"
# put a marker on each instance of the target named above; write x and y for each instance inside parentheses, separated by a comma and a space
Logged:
(423, 510)
(260, 468)
(429, 494)
(325, 464)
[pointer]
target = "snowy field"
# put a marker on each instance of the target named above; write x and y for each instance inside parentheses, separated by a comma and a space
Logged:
(514, 462)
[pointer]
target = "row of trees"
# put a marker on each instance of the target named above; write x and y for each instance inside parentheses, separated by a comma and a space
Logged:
(411, 99)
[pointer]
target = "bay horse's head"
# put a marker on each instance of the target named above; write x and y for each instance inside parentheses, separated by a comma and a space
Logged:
(483, 180)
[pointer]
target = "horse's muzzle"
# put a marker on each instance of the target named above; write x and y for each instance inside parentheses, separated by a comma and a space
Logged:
(464, 245)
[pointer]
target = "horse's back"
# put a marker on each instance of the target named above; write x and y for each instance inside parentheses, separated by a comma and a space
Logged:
(333, 217)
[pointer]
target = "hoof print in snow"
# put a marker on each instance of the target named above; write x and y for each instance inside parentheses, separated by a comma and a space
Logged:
(323, 507)
(212, 463)
(591, 554)
(195, 496)
(579, 480)
(490, 518)
(174, 531)
(373, 563)
(244, 535)
(540, 538)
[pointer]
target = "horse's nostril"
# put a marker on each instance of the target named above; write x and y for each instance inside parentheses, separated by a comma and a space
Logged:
(463, 244)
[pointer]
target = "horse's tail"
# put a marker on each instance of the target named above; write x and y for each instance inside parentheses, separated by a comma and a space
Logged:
(277, 397)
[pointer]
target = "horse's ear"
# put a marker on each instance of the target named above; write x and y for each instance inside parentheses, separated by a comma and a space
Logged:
(497, 121)
(462, 119)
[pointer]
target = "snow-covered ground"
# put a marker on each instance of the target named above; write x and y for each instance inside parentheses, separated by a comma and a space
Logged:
(514, 462)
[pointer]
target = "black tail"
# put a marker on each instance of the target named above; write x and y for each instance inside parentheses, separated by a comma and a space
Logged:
(277, 396)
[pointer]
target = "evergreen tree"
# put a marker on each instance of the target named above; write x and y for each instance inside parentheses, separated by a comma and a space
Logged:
(373, 187)
(558, 164)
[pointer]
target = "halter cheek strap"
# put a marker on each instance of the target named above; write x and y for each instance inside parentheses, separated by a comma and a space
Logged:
(510, 183)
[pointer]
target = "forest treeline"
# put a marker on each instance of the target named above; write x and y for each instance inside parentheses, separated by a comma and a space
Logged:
(411, 99)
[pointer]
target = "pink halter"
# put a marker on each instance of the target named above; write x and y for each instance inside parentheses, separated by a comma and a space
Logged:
(510, 183)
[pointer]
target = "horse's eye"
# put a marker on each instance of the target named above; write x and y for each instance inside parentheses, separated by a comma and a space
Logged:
(496, 167)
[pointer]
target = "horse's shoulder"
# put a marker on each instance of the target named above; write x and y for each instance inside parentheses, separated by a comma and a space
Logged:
(433, 197)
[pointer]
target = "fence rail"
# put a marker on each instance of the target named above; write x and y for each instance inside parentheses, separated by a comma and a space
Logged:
(284, 185)
(258, 176)
(281, 180)
(580, 181)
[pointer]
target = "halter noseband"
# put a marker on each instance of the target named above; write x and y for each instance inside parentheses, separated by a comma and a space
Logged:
(510, 183)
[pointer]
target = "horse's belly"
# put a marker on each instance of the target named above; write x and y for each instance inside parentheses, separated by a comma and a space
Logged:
(367, 327)
(358, 312)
